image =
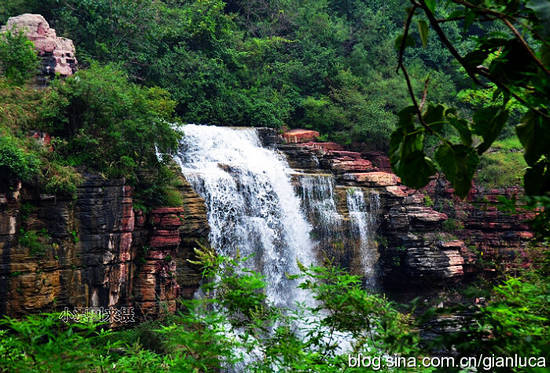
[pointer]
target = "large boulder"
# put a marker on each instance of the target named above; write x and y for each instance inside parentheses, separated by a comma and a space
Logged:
(58, 54)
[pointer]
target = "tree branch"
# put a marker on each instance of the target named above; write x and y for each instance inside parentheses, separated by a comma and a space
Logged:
(405, 34)
(525, 45)
(425, 93)
(443, 38)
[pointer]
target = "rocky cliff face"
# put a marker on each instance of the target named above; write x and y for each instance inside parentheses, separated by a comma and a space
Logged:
(415, 241)
(96, 250)
(57, 54)
(484, 223)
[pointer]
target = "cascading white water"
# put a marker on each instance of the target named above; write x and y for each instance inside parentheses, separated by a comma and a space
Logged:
(363, 224)
(319, 202)
(252, 206)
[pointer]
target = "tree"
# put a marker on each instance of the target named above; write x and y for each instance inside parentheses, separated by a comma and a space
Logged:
(18, 58)
(520, 71)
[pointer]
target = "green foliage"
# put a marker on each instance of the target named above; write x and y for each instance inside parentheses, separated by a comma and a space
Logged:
(318, 64)
(452, 225)
(215, 331)
(46, 344)
(235, 318)
(61, 179)
(109, 124)
(15, 162)
(35, 241)
(502, 166)
(428, 201)
(173, 197)
(514, 321)
(18, 59)
(506, 65)
(21, 107)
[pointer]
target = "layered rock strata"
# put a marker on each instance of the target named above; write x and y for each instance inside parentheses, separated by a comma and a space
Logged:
(413, 239)
(95, 251)
(484, 222)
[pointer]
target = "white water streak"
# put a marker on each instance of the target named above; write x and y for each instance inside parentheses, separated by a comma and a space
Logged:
(251, 204)
(363, 224)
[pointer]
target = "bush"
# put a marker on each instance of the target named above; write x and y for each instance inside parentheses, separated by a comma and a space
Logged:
(502, 166)
(34, 241)
(61, 179)
(452, 225)
(173, 197)
(18, 58)
(15, 162)
(104, 123)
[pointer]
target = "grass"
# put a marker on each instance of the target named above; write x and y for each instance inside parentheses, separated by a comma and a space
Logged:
(510, 143)
(502, 166)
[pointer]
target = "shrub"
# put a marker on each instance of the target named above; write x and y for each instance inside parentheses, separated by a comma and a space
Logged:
(452, 225)
(61, 179)
(503, 166)
(34, 241)
(15, 162)
(18, 58)
(428, 201)
(108, 125)
(173, 197)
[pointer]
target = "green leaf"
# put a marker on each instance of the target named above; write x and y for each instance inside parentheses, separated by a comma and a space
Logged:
(533, 135)
(417, 169)
(459, 163)
(541, 8)
(469, 18)
(476, 57)
(434, 114)
(463, 129)
(537, 178)
(488, 123)
(409, 42)
(423, 31)
(431, 5)
(406, 118)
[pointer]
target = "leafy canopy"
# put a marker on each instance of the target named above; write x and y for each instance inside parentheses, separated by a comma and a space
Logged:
(514, 61)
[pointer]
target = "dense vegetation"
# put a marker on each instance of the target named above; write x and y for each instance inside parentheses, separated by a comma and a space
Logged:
(321, 64)
(511, 62)
(234, 326)
(100, 122)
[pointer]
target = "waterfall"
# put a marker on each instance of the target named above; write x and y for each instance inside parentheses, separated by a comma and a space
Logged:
(252, 206)
(319, 203)
(363, 226)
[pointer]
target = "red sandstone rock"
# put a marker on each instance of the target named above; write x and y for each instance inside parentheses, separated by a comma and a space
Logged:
(300, 136)
(375, 179)
(427, 215)
(344, 153)
(164, 241)
(323, 146)
(396, 191)
(456, 244)
(526, 235)
(167, 210)
(347, 164)
(37, 30)
(43, 138)
(378, 159)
